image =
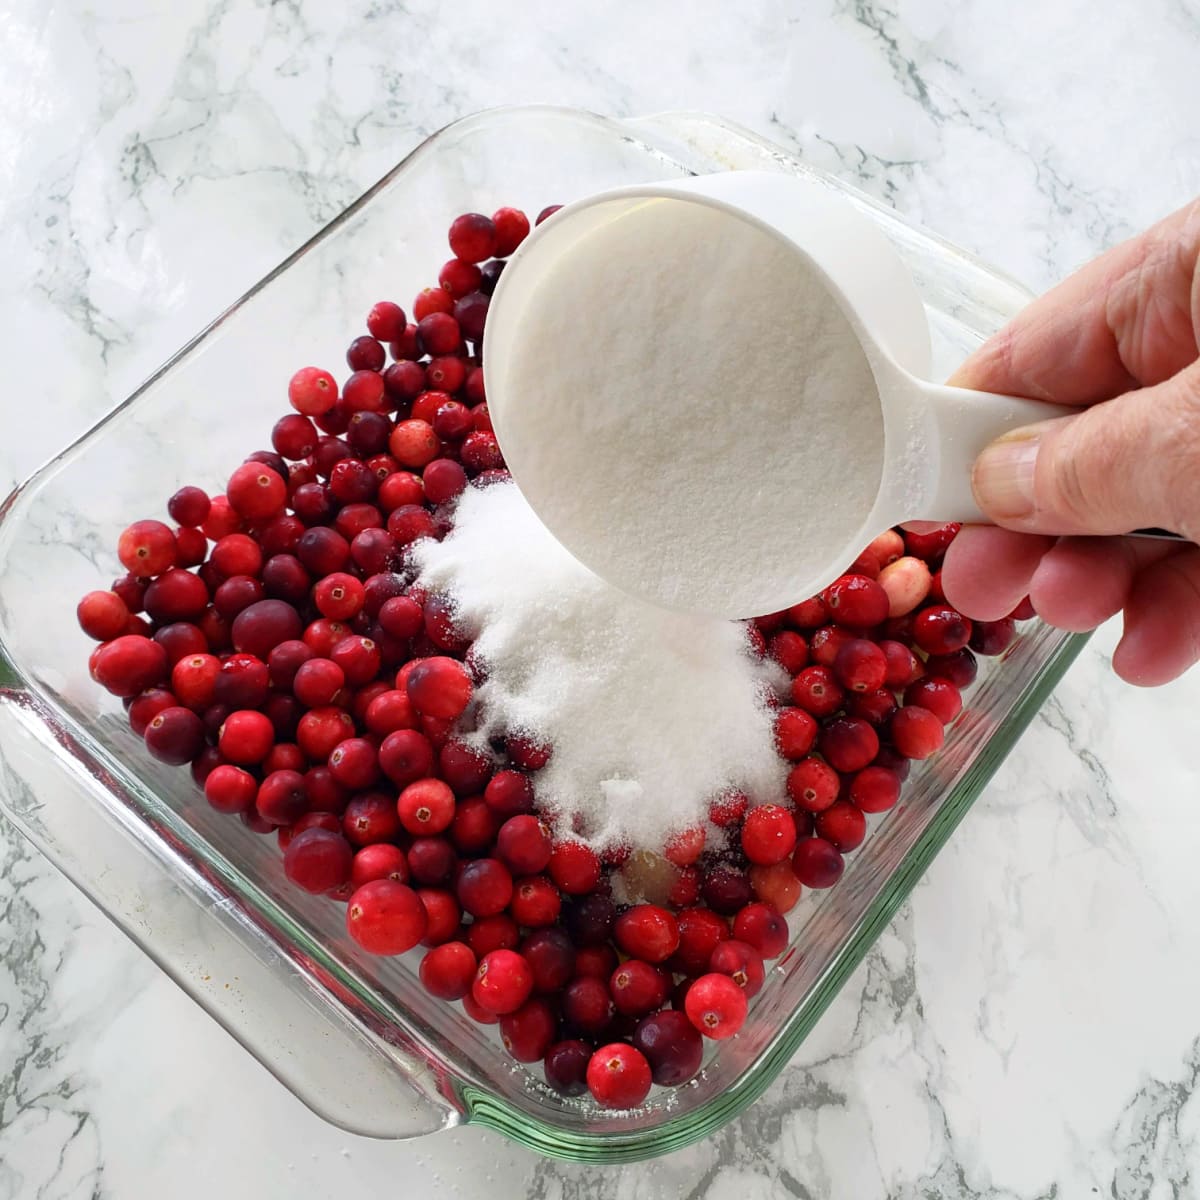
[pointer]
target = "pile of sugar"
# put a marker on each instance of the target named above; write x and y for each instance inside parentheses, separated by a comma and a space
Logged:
(651, 713)
(689, 412)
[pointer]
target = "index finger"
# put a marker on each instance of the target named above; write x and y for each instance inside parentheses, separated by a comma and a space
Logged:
(1130, 318)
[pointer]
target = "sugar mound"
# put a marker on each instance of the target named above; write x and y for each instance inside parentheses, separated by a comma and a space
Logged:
(651, 713)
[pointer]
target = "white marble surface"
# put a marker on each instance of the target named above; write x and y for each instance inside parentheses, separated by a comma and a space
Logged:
(1027, 1028)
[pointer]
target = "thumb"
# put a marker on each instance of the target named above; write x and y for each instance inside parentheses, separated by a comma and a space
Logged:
(1129, 463)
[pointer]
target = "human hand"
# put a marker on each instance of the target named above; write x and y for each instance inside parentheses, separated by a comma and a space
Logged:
(1121, 337)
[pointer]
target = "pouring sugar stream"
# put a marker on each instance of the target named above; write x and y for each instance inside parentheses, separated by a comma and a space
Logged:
(711, 391)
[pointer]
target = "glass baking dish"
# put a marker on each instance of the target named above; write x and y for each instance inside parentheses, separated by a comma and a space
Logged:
(356, 1038)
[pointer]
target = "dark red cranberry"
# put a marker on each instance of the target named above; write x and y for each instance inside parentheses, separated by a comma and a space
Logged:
(590, 920)
(726, 889)
(551, 958)
(365, 354)
(566, 1065)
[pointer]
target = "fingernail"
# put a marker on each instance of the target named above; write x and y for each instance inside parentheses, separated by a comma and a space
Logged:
(1003, 477)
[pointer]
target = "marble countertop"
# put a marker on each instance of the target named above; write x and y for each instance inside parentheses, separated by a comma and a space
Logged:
(1027, 1026)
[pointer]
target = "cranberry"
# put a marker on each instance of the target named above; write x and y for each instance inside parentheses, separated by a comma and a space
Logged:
(176, 596)
(175, 735)
(931, 545)
(440, 687)
(282, 797)
(960, 668)
(503, 982)
(566, 1065)
(471, 314)
(370, 819)
(547, 213)
(551, 958)
(229, 789)
(856, 601)
(813, 785)
(317, 681)
(354, 763)
(902, 665)
(405, 756)
(860, 666)
(648, 932)
(728, 809)
(590, 919)
(481, 452)
(941, 630)
(789, 650)
(574, 867)
(637, 988)
(873, 707)
(741, 962)
(596, 962)
(431, 859)
(940, 696)
(817, 863)
(181, 639)
(321, 729)
(365, 354)
(992, 637)
(235, 594)
(716, 1006)
(189, 506)
(426, 807)
(726, 889)
(242, 682)
(191, 546)
(777, 884)
(444, 480)
(465, 769)
(535, 902)
(484, 887)
(285, 756)
(385, 917)
(458, 277)
(322, 550)
(318, 861)
(409, 523)
(472, 237)
(475, 388)
(618, 1076)
(147, 548)
(312, 391)
(686, 846)
(497, 932)
(587, 1005)
(671, 1045)
(129, 664)
(875, 789)
(379, 860)
(256, 492)
(762, 926)
(848, 743)
(528, 1033)
(442, 915)
(448, 970)
(843, 826)
(769, 834)
(480, 1015)
(387, 710)
(817, 691)
(523, 845)
(916, 732)
(102, 615)
(700, 929)
(510, 793)
(147, 706)
(132, 591)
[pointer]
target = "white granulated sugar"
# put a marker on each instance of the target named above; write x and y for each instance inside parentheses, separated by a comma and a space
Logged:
(708, 403)
(651, 713)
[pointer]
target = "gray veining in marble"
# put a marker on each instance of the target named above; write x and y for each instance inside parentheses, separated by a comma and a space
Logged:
(1027, 1026)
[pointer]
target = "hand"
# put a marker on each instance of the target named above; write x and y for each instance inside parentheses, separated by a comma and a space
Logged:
(1122, 337)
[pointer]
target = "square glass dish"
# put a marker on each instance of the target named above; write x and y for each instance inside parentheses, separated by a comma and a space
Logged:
(357, 1038)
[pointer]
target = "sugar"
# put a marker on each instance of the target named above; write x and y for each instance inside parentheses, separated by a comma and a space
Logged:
(690, 412)
(651, 713)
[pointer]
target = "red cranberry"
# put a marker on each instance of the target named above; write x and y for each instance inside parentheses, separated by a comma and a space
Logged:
(769, 834)
(529, 1032)
(916, 732)
(147, 548)
(405, 756)
(777, 884)
(471, 314)
(991, 638)
(931, 545)
(440, 687)
(726, 889)
(497, 932)
(385, 917)
(355, 763)
(102, 615)
(547, 213)
(370, 818)
(312, 391)
(575, 868)
(431, 860)
(512, 227)
(700, 929)
(509, 793)
(443, 917)
(671, 1045)
(940, 696)
(596, 962)
(426, 807)
(860, 666)
(848, 744)
(741, 962)
(242, 682)
(503, 982)
(875, 789)
(817, 691)
(365, 354)
(551, 958)
(843, 826)
(648, 932)
(322, 550)
(235, 594)
(637, 988)
(484, 887)
(175, 735)
(472, 237)
(448, 970)
(813, 785)
(875, 707)
(481, 452)
(229, 789)
(587, 1005)
(256, 492)
(523, 845)
(321, 729)
(535, 902)
(856, 601)
(282, 797)
(129, 664)
(181, 639)
(566, 1065)
(789, 650)
(817, 863)
(716, 1006)
(762, 926)
(618, 1076)
(147, 706)
(941, 630)
(458, 277)
(189, 506)
(960, 668)
(318, 861)
(176, 596)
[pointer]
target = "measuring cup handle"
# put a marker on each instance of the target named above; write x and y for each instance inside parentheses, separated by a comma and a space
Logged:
(964, 422)
(960, 423)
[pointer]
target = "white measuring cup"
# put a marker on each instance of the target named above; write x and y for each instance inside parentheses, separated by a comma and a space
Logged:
(932, 432)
